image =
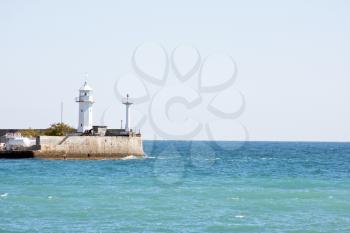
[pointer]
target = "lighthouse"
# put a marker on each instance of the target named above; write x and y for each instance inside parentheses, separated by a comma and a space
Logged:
(127, 104)
(85, 101)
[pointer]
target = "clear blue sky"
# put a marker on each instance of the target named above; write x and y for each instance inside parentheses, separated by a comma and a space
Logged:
(293, 59)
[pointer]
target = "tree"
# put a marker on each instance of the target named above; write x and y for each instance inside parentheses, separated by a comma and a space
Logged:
(59, 129)
(30, 133)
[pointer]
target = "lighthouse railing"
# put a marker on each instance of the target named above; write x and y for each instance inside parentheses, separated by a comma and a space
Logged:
(84, 99)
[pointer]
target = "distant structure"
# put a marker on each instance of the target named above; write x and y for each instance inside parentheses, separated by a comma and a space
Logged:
(127, 104)
(89, 142)
(85, 101)
(61, 112)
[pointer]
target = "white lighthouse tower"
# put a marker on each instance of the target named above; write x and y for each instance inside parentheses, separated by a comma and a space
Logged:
(127, 103)
(85, 101)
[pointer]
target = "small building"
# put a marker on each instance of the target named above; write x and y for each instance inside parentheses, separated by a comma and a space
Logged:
(12, 140)
(20, 143)
(99, 130)
(5, 132)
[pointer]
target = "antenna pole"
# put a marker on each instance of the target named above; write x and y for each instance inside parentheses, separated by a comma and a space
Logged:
(127, 116)
(61, 112)
(86, 76)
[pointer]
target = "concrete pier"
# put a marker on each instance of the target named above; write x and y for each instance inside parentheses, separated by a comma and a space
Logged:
(81, 147)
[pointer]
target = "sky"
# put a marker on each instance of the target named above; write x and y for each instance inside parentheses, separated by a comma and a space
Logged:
(289, 60)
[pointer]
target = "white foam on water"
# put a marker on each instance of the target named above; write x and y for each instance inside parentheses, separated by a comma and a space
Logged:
(235, 198)
(4, 195)
(146, 156)
(162, 158)
(239, 216)
(266, 158)
(131, 157)
(49, 197)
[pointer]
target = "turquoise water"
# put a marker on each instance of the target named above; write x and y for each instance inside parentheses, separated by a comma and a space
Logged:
(184, 187)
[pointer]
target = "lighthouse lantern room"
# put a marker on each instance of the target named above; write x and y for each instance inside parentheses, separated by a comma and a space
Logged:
(85, 101)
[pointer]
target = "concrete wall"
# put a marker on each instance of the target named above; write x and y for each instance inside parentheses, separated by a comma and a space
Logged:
(88, 147)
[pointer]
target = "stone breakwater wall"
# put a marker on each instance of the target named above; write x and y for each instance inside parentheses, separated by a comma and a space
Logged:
(88, 147)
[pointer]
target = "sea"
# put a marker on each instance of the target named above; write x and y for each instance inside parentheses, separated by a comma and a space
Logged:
(184, 186)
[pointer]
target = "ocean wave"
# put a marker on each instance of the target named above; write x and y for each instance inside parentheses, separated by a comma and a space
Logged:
(4, 195)
(146, 156)
(130, 157)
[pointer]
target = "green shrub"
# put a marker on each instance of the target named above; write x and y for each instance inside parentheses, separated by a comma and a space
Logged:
(59, 129)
